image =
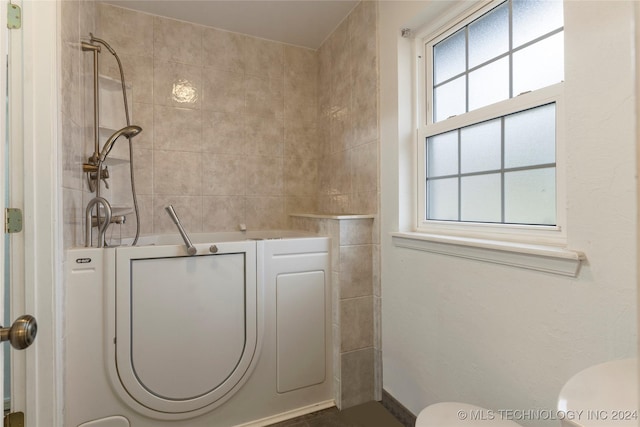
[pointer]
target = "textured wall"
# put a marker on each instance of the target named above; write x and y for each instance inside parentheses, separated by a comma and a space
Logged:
(502, 337)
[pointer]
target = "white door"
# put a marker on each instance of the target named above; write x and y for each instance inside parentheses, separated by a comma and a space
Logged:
(4, 168)
(11, 194)
(27, 182)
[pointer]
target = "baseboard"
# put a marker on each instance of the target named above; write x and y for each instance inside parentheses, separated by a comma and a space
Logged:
(402, 414)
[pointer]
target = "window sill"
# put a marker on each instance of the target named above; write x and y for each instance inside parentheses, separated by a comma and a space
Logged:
(549, 259)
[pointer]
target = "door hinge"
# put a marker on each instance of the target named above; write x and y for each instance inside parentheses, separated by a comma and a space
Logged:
(14, 16)
(12, 220)
(14, 419)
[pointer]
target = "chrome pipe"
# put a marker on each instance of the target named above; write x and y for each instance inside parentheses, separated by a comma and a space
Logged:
(102, 226)
(191, 250)
(88, 47)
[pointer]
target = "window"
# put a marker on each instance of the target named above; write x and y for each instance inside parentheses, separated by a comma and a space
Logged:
(489, 136)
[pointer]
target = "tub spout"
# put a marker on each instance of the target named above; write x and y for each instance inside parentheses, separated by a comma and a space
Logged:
(191, 250)
(102, 226)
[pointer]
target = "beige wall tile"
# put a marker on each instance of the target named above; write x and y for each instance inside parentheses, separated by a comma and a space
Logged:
(188, 208)
(301, 141)
(223, 175)
(70, 21)
(145, 206)
(365, 107)
(365, 203)
(377, 290)
(143, 171)
(128, 32)
(341, 130)
(364, 168)
(73, 158)
(177, 129)
(356, 231)
(340, 164)
(177, 172)
(73, 214)
(264, 97)
(143, 117)
(264, 176)
(358, 376)
(223, 49)
(177, 41)
(177, 85)
(301, 204)
(355, 271)
(301, 62)
(223, 213)
(300, 176)
(71, 82)
(264, 137)
(223, 91)
(265, 213)
(138, 72)
(363, 37)
(305, 114)
(264, 58)
(223, 133)
(87, 12)
(356, 318)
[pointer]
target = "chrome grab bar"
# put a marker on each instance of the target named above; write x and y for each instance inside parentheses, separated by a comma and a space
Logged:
(191, 250)
(102, 228)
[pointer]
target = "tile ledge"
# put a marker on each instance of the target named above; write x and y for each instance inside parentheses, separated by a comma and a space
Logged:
(550, 259)
(332, 216)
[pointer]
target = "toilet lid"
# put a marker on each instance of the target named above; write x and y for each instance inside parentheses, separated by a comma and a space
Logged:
(455, 414)
(603, 395)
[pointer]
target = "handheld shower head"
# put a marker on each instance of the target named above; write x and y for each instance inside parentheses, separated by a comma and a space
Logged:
(127, 131)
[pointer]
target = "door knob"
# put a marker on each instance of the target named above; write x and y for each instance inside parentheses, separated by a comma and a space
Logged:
(22, 333)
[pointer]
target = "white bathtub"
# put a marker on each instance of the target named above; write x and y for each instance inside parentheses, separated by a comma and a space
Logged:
(238, 334)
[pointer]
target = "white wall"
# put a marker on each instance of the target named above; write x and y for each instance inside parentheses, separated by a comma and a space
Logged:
(497, 336)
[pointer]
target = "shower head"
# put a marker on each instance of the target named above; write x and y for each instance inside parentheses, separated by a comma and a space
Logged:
(127, 131)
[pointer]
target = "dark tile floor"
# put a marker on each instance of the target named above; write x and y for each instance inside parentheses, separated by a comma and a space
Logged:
(371, 414)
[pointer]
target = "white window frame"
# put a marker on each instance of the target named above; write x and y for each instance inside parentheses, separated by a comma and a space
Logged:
(551, 235)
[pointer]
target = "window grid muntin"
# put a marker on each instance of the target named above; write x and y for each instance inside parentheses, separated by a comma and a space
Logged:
(431, 47)
(502, 171)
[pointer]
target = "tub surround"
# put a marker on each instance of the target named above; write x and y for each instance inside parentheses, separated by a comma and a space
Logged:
(356, 303)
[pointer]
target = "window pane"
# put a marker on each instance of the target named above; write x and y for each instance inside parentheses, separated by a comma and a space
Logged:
(530, 196)
(449, 99)
(535, 18)
(449, 57)
(489, 84)
(480, 198)
(530, 137)
(489, 36)
(539, 65)
(480, 147)
(442, 199)
(442, 154)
